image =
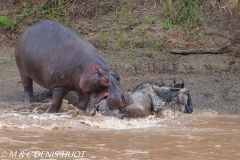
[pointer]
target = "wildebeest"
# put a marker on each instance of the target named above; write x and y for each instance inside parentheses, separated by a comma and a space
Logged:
(59, 59)
(149, 99)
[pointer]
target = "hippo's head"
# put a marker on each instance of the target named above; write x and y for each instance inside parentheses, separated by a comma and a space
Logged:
(117, 98)
(107, 86)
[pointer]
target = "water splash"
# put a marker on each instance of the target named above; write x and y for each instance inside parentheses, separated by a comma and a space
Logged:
(27, 116)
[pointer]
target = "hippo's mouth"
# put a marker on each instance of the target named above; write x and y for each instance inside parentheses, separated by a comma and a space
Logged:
(105, 95)
(96, 98)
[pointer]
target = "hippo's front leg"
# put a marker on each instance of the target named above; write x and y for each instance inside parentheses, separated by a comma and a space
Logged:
(57, 96)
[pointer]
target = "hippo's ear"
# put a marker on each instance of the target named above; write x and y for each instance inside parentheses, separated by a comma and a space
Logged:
(104, 81)
(99, 71)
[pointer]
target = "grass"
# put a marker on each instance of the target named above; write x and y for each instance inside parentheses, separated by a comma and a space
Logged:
(125, 17)
(10, 23)
(116, 47)
(43, 7)
(102, 37)
(6, 22)
(5, 58)
(175, 46)
(122, 14)
(237, 73)
(128, 61)
(25, 6)
(157, 46)
(210, 91)
(185, 13)
(167, 24)
(139, 30)
(148, 20)
(7, 61)
(133, 43)
(56, 13)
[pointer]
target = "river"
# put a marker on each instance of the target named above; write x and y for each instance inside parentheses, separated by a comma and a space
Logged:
(28, 133)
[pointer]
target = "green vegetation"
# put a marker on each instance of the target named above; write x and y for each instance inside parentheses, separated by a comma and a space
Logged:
(184, 14)
(26, 9)
(61, 3)
(148, 20)
(43, 7)
(167, 24)
(10, 23)
(157, 46)
(102, 37)
(6, 59)
(124, 16)
(139, 30)
(6, 22)
(210, 91)
(56, 14)
(237, 73)
(128, 61)
(175, 46)
(25, 6)
(116, 47)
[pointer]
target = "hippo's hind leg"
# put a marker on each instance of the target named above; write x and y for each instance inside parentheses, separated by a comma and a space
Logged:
(57, 96)
(28, 89)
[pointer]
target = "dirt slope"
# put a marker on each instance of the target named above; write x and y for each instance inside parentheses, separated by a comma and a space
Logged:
(140, 48)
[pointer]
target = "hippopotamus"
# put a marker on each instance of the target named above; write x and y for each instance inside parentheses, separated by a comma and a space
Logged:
(60, 60)
(149, 99)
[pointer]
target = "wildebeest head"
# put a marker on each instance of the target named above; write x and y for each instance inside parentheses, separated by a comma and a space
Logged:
(177, 96)
(178, 85)
(182, 101)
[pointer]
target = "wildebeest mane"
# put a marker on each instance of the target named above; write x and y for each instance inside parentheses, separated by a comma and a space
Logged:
(166, 94)
(141, 86)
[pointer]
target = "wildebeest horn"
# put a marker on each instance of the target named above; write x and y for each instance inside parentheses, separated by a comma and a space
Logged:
(178, 85)
(182, 85)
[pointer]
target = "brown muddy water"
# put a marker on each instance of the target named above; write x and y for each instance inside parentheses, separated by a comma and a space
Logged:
(28, 133)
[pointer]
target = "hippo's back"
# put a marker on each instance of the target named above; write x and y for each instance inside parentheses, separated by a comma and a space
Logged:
(48, 52)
